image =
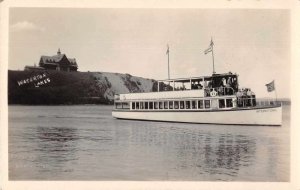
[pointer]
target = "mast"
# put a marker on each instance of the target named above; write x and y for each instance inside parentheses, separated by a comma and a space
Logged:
(212, 53)
(168, 52)
(211, 49)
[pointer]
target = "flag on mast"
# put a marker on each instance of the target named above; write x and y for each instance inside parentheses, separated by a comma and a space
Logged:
(270, 86)
(210, 48)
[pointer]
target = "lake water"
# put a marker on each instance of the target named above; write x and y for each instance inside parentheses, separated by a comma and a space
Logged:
(86, 143)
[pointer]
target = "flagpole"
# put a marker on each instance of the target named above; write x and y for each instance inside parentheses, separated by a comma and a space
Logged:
(275, 90)
(212, 53)
(168, 52)
(275, 95)
(168, 65)
(271, 87)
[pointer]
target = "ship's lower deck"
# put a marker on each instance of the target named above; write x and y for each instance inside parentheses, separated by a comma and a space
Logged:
(271, 115)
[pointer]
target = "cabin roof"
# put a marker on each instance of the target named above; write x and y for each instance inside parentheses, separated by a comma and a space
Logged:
(229, 74)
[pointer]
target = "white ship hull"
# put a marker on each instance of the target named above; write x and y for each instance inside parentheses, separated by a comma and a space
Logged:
(246, 116)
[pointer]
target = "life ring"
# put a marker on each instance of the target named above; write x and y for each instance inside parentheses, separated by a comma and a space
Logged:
(213, 93)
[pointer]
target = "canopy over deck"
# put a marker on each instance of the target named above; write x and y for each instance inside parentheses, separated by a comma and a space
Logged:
(201, 78)
(214, 81)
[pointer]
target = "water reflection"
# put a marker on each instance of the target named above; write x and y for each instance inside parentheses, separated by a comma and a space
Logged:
(56, 147)
(199, 151)
(73, 148)
(56, 134)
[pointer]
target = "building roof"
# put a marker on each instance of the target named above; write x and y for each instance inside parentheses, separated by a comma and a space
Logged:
(56, 59)
(72, 61)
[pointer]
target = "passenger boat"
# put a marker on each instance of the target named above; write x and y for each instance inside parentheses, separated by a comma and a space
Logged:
(215, 99)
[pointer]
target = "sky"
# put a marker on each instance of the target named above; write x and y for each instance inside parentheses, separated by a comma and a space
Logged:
(252, 43)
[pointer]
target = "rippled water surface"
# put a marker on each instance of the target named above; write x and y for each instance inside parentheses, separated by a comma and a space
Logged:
(86, 143)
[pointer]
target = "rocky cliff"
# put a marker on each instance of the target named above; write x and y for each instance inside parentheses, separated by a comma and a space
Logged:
(53, 87)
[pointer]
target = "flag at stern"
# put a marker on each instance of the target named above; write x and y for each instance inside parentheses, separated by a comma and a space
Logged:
(270, 86)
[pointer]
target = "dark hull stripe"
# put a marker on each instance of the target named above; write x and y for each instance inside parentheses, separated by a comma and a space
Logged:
(199, 122)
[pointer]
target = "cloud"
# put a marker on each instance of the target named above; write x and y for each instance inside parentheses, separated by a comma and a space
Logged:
(26, 26)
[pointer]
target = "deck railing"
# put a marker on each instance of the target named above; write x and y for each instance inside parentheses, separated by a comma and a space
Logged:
(117, 97)
(267, 102)
(219, 91)
(253, 102)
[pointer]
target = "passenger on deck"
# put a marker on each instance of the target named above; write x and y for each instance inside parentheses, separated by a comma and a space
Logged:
(199, 86)
(206, 84)
(229, 82)
(221, 91)
(244, 97)
(239, 95)
(193, 86)
(228, 86)
(223, 82)
(234, 102)
(207, 92)
(234, 84)
(209, 84)
(183, 87)
(251, 97)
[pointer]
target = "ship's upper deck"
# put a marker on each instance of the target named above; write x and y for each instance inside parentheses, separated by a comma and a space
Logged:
(161, 95)
(214, 81)
(193, 87)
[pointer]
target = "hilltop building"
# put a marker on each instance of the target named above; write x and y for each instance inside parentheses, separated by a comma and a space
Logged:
(59, 62)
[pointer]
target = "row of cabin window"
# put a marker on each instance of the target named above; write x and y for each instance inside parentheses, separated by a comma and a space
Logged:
(122, 105)
(193, 104)
(171, 105)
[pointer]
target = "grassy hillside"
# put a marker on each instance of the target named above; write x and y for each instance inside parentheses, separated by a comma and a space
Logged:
(55, 87)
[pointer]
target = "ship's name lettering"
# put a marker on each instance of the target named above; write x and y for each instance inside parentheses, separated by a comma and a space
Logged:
(269, 110)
